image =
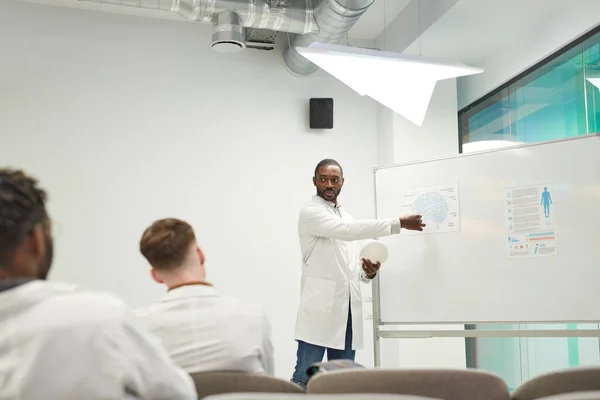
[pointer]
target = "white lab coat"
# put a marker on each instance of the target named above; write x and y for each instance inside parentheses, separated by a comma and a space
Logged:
(331, 272)
(61, 343)
(204, 331)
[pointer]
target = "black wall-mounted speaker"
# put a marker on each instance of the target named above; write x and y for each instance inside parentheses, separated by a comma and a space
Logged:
(321, 113)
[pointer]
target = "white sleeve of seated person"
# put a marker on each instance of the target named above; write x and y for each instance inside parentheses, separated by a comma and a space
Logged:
(147, 370)
(315, 220)
(267, 354)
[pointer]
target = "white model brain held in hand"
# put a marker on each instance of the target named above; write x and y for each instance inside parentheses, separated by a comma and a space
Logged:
(374, 251)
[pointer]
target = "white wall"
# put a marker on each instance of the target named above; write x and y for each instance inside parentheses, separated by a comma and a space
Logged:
(438, 136)
(385, 136)
(126, 120)
(547, 35)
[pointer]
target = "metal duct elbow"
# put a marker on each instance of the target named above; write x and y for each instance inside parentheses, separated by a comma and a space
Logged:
(228, 33)
(334, 18)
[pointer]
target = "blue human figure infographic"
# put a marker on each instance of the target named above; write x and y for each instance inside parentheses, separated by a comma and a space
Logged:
(546, 201)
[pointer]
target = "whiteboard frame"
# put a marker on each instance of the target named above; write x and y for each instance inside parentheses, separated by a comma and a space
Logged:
(379, 331)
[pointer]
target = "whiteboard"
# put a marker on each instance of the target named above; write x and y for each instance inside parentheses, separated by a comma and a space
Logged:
(469, 275)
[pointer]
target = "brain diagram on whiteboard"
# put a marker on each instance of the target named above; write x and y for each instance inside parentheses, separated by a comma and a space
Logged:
(439, 207)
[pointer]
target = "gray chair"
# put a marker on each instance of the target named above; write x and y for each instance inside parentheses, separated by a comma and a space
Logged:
(591, 395)
(572, 380)
(213, 383)
(436, 383)
(273, 396)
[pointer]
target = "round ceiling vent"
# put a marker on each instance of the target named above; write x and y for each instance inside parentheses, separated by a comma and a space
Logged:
(227, 46)
(228, 33)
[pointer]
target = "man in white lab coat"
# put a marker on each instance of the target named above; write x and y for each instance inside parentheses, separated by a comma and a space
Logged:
(201, 330)
(58, 341)
(330, 313)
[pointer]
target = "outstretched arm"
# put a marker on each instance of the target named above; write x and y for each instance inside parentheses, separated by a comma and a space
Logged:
(315, 220)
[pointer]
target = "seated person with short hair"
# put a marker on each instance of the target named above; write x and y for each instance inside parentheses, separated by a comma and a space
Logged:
(200, 329)
(61, 342)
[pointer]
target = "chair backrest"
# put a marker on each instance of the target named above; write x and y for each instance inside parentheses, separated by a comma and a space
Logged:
(334, 365)
(591, 395)
(284, 396)
(437, 383)
(570, 380)
(212, 383)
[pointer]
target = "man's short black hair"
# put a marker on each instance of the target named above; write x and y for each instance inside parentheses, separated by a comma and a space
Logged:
(22, 207)
(326, 162)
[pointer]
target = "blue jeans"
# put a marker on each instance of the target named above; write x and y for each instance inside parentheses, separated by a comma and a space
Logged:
(309, 354)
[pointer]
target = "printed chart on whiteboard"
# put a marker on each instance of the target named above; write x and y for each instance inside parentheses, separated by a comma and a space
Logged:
(530, 224)
(438, 205)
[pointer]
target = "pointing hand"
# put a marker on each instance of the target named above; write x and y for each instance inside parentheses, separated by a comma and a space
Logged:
(412, 223)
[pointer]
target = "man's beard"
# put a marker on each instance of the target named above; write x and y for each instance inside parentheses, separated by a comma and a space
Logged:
(336, 193)
(44, 269)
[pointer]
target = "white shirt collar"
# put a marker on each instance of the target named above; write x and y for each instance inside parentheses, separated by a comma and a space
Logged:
(190, 291)
(329, 203)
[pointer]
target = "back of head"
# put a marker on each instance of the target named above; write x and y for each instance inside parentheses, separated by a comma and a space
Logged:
(25, 239)
(166, 244)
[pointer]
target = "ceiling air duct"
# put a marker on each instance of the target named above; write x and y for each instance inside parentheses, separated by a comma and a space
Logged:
(310, 21)
(334, 18)
(293, 16)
